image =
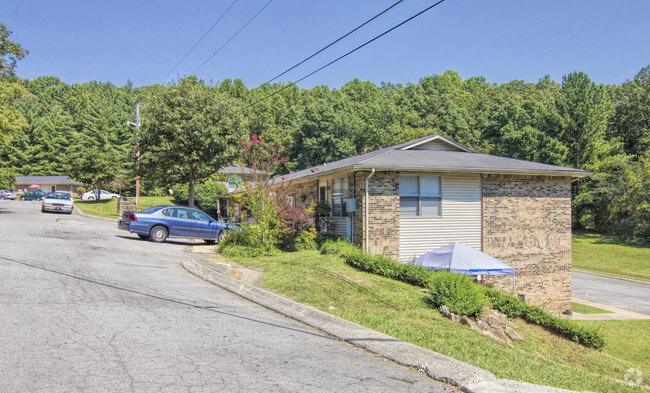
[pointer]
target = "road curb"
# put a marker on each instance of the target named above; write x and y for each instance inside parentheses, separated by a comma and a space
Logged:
(468, 378)
(82, 214)
(608, 276)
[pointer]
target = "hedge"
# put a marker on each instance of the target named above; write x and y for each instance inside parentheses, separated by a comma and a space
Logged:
(459, 292)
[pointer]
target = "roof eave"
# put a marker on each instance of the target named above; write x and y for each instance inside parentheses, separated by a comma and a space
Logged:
(572, 173)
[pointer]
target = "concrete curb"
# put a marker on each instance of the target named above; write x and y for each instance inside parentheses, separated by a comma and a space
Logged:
(608, 276)
(442, 368)
(82, 214)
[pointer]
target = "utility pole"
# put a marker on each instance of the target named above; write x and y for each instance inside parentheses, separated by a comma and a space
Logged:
(137, 151)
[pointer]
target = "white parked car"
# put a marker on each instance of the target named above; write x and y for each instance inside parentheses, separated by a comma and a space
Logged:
(92, 194)
(57, 202)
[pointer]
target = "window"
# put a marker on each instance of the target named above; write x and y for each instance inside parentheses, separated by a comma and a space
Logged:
(290, 200)
(339, 194)
(419, 196)
(199, 215)
(233, 182)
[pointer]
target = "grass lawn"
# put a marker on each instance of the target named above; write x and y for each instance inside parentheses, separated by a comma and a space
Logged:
(604, 254)
(403, 311)
(108, 207)
(584, 309)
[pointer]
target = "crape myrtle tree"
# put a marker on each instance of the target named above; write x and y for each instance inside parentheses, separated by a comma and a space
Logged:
(189, 130)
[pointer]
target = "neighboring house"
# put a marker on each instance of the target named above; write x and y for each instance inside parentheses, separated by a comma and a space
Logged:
(407, 199)
(49, 183)
(232, 177)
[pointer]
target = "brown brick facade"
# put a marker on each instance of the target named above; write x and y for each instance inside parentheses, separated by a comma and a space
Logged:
(527, 225)
(304, 193)
(383, 216)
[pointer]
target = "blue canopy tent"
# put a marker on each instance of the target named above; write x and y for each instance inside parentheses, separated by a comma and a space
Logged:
(459, 258)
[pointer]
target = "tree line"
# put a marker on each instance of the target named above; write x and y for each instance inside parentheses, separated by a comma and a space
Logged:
(190, 128)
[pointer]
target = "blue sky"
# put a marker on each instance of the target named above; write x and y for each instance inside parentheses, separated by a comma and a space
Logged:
(115, 41)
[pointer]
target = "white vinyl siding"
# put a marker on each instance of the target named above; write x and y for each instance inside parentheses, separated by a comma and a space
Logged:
(460, 220)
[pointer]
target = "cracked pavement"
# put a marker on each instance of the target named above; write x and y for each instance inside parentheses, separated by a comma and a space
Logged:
(85, 307)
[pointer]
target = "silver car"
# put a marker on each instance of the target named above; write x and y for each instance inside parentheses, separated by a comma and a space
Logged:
(57, 202)
(8, 194)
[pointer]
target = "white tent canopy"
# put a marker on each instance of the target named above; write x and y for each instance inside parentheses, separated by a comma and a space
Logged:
(460, 258)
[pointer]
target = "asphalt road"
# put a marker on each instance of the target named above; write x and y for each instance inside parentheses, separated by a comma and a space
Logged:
(85, 307)
(623, 294)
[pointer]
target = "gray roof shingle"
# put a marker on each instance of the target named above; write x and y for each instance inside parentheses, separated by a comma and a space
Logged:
(462, 159)
(45, 180)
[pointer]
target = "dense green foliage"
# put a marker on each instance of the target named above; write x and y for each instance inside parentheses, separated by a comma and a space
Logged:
(460, 294)
(513, 307)
(188, 132)
(576, 122)
(205, 194)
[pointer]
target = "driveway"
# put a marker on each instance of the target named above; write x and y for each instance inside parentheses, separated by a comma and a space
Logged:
(86, 307)
(612, 291)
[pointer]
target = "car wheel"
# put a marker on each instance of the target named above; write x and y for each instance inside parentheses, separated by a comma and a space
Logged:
(209, 241)
(143, 237)
(222, 234)
(158, 234)
(91, 197)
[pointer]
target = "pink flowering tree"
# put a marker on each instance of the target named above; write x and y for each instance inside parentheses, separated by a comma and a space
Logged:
(256, 193)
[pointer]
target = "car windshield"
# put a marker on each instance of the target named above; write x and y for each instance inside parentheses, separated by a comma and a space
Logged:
(58, 196)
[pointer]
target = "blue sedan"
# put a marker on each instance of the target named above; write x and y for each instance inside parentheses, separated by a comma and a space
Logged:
(160, 222)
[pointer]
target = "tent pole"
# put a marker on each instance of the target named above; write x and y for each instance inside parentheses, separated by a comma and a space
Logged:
(514, 292)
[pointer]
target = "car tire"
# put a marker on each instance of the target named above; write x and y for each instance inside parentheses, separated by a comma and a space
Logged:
(222, 234)
(91, 197)
(158, 234)
(143, 237)
(209, 241)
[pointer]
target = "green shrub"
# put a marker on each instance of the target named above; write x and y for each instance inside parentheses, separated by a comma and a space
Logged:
(205, 194)
(245, 242)
(458, 292)
(513, 307)
(81, 190)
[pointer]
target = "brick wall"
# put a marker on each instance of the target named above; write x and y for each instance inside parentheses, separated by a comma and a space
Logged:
(527, 225)
(304, 193)
(383, 216)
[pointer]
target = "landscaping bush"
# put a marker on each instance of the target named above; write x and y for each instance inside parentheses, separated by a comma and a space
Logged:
(513, 307)
(293, 223)
(205, 194)
(244, 243)
(458, 292)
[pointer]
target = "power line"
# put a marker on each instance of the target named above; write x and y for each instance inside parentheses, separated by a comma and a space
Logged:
(199, 41)
(341, 57)
(233, 36)
(337, 40)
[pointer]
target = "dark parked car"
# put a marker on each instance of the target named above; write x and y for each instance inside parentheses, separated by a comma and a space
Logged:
(32, 196)
(160, 222)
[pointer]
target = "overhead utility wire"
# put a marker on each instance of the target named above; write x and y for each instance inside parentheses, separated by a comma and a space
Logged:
(199, 41)
(341, 57)
(233, 36)
(337, 40)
